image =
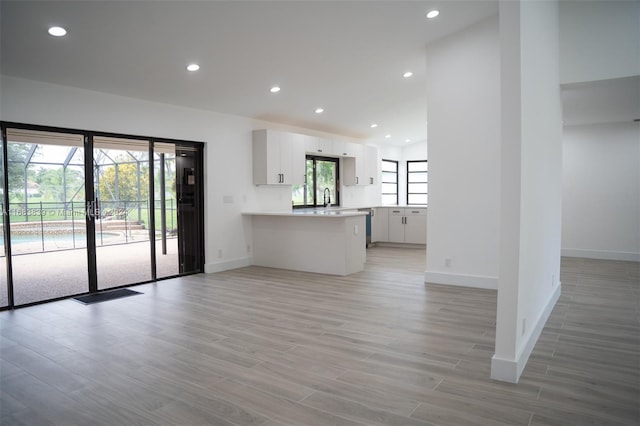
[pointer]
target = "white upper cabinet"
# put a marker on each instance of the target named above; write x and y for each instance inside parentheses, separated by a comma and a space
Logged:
(318, 146)
(361, 167)
(274, 157)
(370, 158)
(344, 149)
(279, 158)
(299, 166)
(352, 167)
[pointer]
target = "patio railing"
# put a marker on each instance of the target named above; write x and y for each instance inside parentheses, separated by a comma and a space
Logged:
(61, 226)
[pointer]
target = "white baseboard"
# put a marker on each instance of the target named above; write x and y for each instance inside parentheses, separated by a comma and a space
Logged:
(462, 280)
(509, 370)
(398, 245)
(225, 265)
(601, 254)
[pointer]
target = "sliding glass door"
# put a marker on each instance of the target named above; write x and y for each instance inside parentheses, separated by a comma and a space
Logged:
(4, 285)
(166, 210)
(46, 213)
(84, 212)
(122, 228)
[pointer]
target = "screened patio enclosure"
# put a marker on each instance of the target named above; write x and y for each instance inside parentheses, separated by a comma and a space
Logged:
(79, 204)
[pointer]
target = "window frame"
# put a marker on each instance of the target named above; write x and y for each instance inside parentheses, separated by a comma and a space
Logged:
(397, 183)
(335, 197)
(409, 193)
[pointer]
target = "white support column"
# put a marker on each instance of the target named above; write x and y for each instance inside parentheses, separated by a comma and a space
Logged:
(531, 181)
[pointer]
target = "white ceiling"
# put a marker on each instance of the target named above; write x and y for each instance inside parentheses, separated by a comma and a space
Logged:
(345, 56)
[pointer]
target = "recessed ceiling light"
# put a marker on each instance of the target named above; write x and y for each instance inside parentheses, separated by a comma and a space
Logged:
(57, 31)
(433, 13)
(319, 110)
(275, 89)
(193, 67)
(374, 125)
(407, 140)
(387, 136)
(407, 74)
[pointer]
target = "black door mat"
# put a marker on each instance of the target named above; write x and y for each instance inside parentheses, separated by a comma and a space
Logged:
(105, 295)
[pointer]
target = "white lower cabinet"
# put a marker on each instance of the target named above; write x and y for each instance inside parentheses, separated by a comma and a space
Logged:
(415, 226)
(407, 225)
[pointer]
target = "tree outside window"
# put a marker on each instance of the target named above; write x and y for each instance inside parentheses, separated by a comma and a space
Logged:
(321, 179)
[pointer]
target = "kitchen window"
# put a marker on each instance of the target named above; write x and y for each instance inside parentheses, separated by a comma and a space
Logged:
(389, 182)
(417, 181)
(322, 182)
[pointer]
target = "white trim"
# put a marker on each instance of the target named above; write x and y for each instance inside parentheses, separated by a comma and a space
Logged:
(225, 265)
(398, 245)
(601, 254)
(509, 370)
(462, 280)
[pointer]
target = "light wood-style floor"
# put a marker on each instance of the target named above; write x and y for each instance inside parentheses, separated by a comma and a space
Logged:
(258, 346)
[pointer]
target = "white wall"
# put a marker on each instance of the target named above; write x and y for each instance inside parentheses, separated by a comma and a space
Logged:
(601, 191)
(531, 181)
(228, 152)
(599, 40)
(463, 86)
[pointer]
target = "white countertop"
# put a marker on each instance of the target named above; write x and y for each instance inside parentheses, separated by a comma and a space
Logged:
(337, 211)
(328, 213)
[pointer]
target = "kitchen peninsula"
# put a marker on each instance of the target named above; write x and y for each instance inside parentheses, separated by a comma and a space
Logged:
(321, 241)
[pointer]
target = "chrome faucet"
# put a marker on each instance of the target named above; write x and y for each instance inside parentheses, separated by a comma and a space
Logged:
(327, 197)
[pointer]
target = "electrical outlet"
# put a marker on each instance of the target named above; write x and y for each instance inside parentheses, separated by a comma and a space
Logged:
(219, 253)
(355, 229)
(553, 280)
(524, 325)
(447, 262)
(248, 248)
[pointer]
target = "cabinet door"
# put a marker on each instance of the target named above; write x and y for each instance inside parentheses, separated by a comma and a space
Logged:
(298, 159)
(352, 167)
(343, 149)
(380, 225)
(396, 225)
(266, 158)
(362, 169)
(415, 230)
(320, 146)
(370, 158)
(285, 145)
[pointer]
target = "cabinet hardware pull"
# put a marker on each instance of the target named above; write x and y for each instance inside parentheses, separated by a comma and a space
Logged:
(319, 150)
(344, 153)
(415, 211)
(356, 180)
(371, 179)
